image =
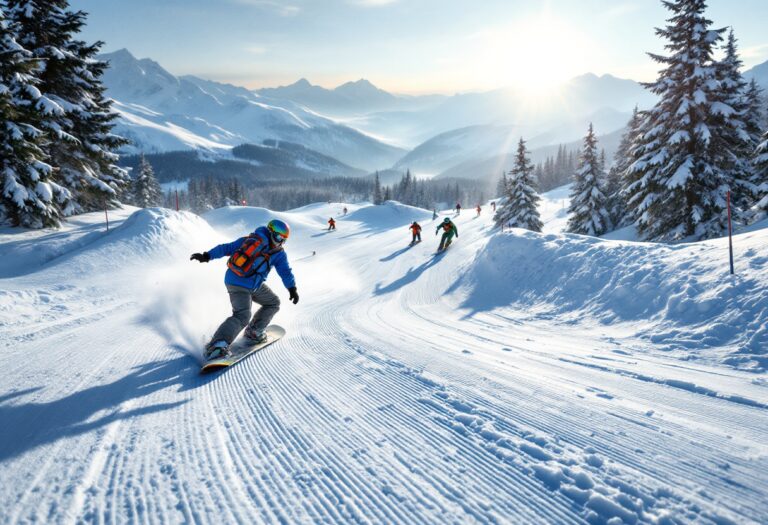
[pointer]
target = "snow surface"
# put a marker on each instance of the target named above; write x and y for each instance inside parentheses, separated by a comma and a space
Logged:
(517, 377)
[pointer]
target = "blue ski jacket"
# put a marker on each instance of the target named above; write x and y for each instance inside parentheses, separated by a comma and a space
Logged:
(279, 260)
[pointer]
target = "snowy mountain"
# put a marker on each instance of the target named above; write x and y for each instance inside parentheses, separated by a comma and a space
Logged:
(351, 99)
(581, 98)
(249, 163)
(760, 74)
(161, 112)
(469, 152)
(518, 377)
(490, 167)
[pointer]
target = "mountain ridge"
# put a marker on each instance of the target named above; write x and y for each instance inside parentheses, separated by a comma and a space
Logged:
(163, 112)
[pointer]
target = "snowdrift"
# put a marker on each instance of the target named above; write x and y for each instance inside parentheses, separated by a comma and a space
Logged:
(148, 236)
(679, 296)
(391, 214)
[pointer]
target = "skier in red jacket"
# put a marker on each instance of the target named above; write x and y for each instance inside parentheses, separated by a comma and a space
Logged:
(416, 231)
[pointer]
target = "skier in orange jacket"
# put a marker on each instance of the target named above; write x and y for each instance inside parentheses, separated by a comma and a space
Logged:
(416, 231)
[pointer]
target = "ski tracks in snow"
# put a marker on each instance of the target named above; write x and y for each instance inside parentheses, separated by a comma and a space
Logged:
(384, 403)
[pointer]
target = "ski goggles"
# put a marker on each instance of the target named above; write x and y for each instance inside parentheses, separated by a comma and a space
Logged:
(278, 237)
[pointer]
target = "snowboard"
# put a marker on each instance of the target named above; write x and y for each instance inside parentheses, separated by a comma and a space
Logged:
(241, 349)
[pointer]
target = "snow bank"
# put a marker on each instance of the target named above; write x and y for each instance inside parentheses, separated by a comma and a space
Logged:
(678, 296)
(236, 221)
(147, 237)
(391, 214)
(23, 251)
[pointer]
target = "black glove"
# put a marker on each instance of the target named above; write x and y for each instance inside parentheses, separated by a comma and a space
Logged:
(294, 295)
(202, 257)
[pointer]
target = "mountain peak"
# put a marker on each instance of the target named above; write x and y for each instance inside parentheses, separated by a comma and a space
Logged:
(122, 55)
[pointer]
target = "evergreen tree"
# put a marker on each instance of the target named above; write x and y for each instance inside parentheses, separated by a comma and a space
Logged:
(682, 158)
(82, 144)
(519, 209)
(760, 165)
(731, 117)
(502, 185)
(755, 112)
(587, 209)
(617, 179)
(378, 198)
(387, 194)
(146, 189)
(28, 195)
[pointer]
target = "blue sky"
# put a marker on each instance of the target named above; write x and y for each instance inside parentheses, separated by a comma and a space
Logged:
(406, 46)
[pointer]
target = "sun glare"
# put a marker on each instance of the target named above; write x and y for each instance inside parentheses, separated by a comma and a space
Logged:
(534, 55)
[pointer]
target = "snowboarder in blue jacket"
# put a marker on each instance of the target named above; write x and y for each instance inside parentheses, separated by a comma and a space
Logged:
(250, 260)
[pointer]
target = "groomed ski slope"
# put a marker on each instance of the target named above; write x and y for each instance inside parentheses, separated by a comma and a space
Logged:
(516, 378)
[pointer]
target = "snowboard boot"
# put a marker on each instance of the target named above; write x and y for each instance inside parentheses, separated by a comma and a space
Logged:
(253, 336)
(216, 350)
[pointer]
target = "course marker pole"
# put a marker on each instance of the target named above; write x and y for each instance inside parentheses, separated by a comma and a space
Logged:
(730, 230)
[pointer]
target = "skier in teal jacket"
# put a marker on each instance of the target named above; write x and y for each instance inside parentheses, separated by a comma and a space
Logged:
(449, 230)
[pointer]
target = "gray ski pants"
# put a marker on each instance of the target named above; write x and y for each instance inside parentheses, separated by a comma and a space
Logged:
(241, 299)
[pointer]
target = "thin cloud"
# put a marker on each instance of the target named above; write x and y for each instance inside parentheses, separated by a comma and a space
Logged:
(277, 7)
(372, 3)
(256, 50)
(754, 51)
(620, 10)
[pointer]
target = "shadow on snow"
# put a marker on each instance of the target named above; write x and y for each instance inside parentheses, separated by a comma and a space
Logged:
(410, 276)
(29, 425)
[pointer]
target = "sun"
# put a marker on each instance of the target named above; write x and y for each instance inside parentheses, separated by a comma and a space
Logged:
(534, 55)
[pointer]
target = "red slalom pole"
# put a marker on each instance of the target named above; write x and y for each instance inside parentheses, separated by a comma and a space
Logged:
(730, 229)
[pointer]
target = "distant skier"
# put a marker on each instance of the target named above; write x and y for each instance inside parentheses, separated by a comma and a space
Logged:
(493, 206)
(458, 208)
(345, 210)
(449, 230)
(331, 224)
(416, 231)
(434, 214)
(250, 260)
(479, 209)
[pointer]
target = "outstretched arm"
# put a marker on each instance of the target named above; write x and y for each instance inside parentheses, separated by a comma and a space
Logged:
(219, 251)
(226, 249)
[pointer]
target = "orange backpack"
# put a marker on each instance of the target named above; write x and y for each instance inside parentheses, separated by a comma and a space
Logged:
(243, 261)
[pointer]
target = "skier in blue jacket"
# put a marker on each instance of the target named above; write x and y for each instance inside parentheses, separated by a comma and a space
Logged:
(250, 260)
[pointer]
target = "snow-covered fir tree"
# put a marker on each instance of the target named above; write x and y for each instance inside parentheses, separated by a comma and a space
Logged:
(760, 167)
(503, 185)
(616, 200)
(519, 208)
(587, 213)
(736, 143)
(82, 145)
(378, 197)
(683, 152)
(146, 190)
(755, 118)
(28, 196)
